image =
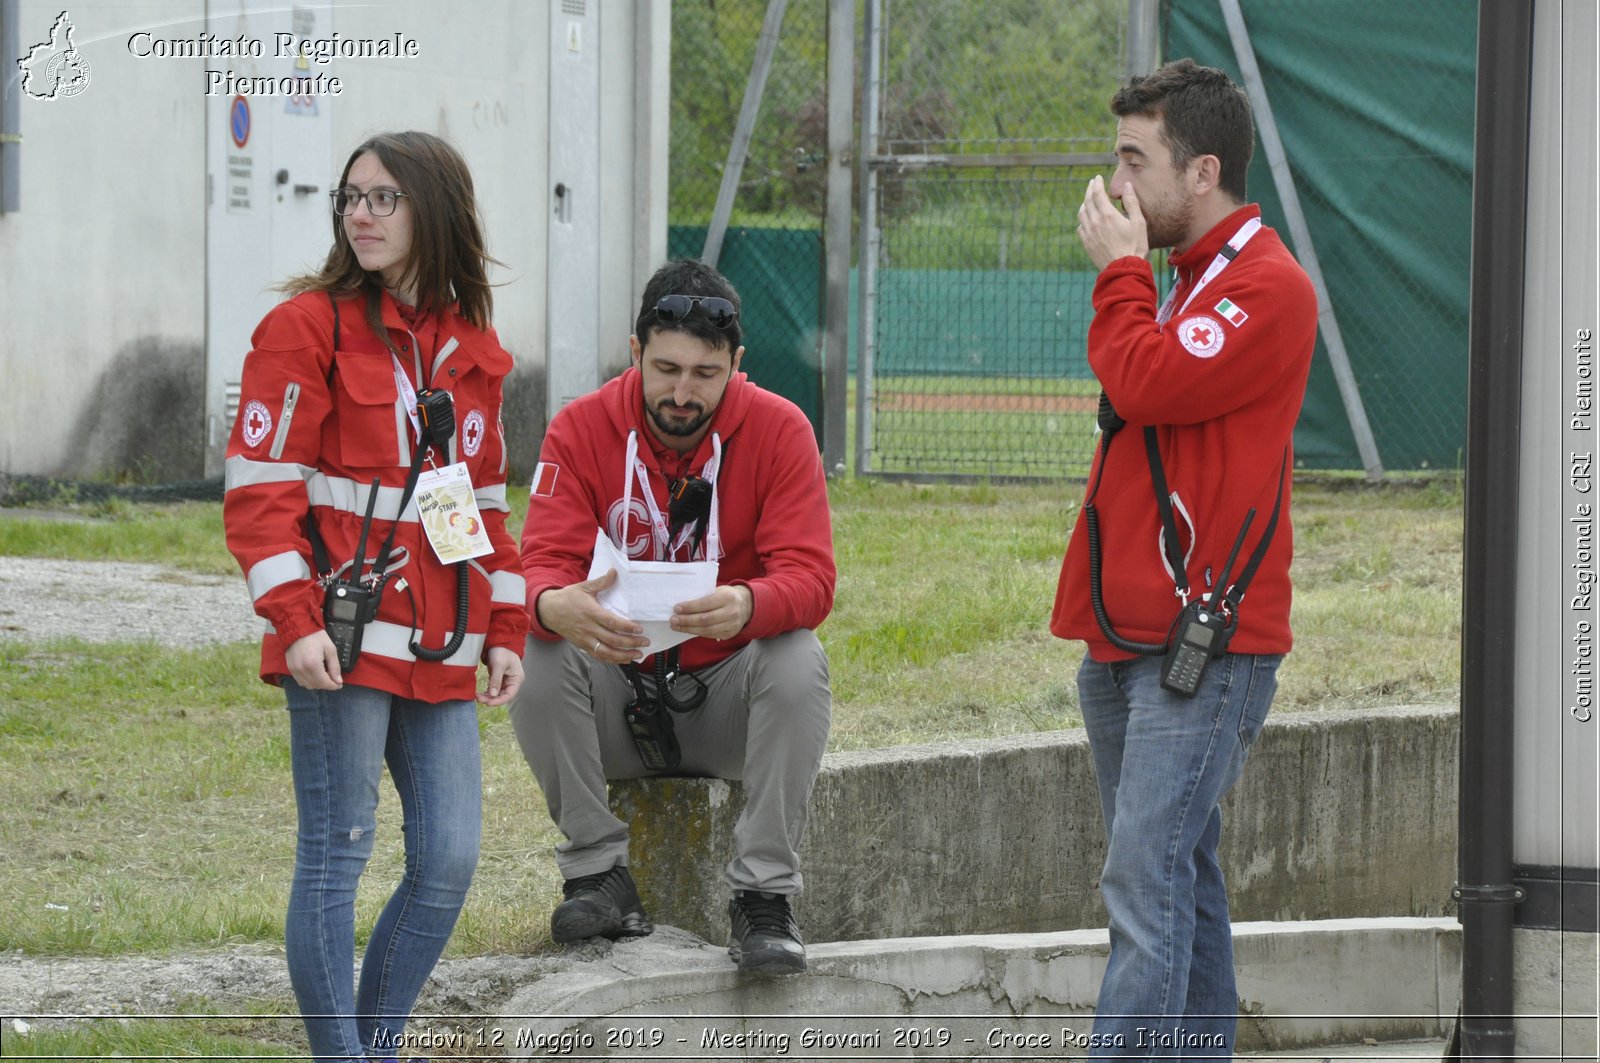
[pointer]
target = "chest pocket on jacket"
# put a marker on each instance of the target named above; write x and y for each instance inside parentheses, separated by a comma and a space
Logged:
(373, 424)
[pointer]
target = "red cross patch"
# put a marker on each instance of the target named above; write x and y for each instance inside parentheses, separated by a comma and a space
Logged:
(255, 422)
(472, 432)
(1201, 335)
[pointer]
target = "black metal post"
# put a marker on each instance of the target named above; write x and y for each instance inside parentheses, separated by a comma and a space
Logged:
(1485, 890)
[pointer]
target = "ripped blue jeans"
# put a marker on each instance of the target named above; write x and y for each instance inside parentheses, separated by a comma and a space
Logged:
(339, 743)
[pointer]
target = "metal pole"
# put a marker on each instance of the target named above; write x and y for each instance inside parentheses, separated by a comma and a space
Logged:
(1486, 888)
(766, 46)
(652, 141)
(10, 111)
(1349, 390)
(867, 267)
(1144, 36)
(836, 236)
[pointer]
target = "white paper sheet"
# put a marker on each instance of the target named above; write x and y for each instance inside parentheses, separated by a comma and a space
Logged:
(646, 591)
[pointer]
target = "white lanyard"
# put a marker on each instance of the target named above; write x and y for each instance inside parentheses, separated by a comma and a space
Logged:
(402, 382)
(1218, 264)
(665, 549)
(407, 392)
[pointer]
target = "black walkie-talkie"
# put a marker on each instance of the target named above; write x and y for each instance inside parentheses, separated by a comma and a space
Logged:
(1202, 631)
(350, 605)
(653, 734)
(1202, 635)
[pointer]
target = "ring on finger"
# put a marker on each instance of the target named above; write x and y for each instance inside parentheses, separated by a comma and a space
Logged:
(596, 650)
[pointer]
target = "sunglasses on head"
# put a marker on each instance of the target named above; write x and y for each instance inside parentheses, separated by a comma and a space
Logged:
(671, 309)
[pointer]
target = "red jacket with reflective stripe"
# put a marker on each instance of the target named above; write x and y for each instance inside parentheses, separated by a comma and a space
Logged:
(1222, 382)
(777, 536)
(316, 425)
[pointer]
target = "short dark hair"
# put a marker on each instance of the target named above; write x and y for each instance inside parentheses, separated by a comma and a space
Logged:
(1202, 112)
(449, 256)
(688, 276)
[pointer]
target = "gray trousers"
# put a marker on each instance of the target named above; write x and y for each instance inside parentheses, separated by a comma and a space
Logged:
(764, 721)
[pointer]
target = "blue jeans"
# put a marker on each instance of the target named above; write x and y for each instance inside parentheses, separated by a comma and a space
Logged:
(339, 742)
(1163, 763)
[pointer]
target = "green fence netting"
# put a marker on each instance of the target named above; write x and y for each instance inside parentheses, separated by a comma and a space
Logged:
(1375, 107)
(778, 274)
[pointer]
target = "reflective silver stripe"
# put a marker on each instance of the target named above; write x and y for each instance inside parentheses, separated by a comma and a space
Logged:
(350, 496)
(394, 641)
(291, 396)
(444, 354)
(508, 587)
(275, 571)
(402, 425)
(239, 471)
(492, 498)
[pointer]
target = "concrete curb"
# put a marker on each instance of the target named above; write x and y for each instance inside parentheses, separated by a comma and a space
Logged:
(1016, 996)
(1339, 815)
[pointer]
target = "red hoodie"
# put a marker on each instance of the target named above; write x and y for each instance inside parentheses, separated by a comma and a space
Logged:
(777, 536)
(1222, 382)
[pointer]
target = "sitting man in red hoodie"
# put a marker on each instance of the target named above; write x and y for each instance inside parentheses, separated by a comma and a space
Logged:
(681, 458)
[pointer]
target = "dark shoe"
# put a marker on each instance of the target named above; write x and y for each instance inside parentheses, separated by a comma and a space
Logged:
(603, 905)
(765, 937)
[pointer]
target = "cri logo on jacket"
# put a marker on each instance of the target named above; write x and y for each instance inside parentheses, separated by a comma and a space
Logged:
(638, 520)
(1201, 335)
(256, 421)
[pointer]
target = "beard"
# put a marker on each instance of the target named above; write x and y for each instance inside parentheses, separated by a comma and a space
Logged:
(1167, 223)
(672, 427)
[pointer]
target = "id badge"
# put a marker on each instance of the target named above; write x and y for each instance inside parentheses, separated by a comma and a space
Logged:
(449, 514)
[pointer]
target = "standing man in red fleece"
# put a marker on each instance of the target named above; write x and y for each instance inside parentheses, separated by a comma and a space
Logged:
(679, 458)
(1187, 508)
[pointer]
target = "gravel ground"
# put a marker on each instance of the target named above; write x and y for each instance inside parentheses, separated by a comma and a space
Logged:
(104, 601)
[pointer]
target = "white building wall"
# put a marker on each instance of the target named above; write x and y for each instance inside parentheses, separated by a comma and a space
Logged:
(103, 272)
(103, 264)
(1557, 737)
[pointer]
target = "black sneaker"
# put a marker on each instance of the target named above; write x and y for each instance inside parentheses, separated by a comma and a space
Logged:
(765, 938)
(603, 905)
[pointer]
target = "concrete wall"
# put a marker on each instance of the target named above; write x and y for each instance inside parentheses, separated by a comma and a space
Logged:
(1339, 815)
(1555, 985)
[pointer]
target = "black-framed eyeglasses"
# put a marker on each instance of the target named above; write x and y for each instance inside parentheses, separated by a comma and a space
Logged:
(671, 309)
(380, 201)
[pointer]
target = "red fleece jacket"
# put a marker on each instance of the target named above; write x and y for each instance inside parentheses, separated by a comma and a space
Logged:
(1222, 381)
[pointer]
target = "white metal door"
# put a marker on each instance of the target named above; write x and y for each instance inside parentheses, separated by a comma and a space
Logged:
(269, 167)
(573, 251)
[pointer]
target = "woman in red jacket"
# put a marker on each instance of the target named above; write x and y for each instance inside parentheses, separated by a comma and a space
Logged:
(369, 417)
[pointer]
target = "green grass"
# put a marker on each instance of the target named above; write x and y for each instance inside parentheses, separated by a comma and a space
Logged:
(149, 807)
(208, 1038)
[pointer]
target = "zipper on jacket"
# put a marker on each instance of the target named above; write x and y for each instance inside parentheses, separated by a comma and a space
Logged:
(291, 396)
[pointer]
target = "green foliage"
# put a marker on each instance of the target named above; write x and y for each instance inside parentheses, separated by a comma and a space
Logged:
(1003, 76)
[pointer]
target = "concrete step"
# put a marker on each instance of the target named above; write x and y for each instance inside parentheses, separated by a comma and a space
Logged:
(1000, 996)
(1367, 1052)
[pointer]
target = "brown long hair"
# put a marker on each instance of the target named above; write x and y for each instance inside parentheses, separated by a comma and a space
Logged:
(449, 259)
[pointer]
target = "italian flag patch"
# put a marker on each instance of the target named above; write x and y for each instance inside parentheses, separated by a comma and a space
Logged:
(544, 479)
(1231, 313)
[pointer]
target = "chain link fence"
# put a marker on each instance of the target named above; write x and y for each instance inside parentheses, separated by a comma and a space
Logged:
(990, 120)
(772, 251)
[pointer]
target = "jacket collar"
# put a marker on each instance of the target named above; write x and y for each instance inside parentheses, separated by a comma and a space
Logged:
(1198, 257)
